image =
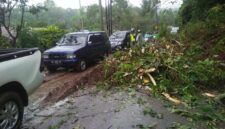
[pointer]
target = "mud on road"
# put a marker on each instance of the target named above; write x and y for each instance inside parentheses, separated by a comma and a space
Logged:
(58, 85)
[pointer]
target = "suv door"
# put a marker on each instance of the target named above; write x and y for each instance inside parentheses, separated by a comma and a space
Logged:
(94, 45)
(99, 44)
(106, 44)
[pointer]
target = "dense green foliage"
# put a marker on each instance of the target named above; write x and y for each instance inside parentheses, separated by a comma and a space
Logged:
(193, 10)
(203, 28)
(43, 38)
(185, 70)
(28, 39)
(176, 72)
(50, 15)
(49, 36)
(4, 42)
(124, 17)
(165, 68)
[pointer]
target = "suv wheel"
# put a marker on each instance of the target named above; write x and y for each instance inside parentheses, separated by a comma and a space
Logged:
(51, 69)
(82, 65)
(11, 111)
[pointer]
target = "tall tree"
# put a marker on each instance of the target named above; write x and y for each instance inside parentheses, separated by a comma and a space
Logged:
(149, 7)
(7, 7)
(49, 4)
(120, 11)
(101, 14)
(0, 30)
(196, 9)
(92, 17)
(149, 12)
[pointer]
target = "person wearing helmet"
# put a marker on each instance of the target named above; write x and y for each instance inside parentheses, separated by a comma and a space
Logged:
(139, 38)
(132, 37)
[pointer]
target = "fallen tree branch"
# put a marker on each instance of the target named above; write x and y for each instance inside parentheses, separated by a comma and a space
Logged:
(152, 79)
(174, 100)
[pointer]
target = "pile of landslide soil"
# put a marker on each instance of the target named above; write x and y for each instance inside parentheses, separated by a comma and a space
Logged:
(87, 78)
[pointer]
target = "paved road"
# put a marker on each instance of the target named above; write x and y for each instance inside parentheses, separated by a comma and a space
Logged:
(88, 109)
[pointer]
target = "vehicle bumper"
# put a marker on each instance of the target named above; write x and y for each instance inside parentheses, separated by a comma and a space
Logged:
(60, 63)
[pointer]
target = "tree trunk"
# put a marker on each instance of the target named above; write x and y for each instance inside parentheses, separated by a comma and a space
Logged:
(13, 42)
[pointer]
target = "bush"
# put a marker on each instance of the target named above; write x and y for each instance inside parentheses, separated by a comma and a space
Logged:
(4, 42)
(164, 31)
(216, 15)
(175, 72)
(49, 36)
(43, 38)
(28, 39)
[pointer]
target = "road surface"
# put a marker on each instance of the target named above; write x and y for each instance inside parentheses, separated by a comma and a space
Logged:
(70, 100)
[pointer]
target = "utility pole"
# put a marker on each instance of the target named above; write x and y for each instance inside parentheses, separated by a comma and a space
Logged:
(81, 15)
(101, 15)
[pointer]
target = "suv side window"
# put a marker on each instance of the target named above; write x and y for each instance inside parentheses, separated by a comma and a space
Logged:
(100, 38)
(97, 38)
(92, 38)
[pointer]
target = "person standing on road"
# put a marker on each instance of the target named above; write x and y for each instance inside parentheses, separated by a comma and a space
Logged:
(139, 38)
(132, 37)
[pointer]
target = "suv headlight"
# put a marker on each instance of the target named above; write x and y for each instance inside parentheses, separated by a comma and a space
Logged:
(71, 56)
(45, 56)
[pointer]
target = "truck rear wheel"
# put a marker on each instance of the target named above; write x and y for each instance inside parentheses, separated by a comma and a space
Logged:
(11, 110)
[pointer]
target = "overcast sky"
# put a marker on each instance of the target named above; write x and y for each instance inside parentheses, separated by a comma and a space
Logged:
(75, 3)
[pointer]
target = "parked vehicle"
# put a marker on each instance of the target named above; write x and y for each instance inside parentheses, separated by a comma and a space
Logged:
(174, 30)
(76, 49)
(119, 40)
(20, 74)
(148, 37)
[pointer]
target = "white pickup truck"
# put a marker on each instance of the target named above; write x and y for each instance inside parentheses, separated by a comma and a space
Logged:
(21, 72)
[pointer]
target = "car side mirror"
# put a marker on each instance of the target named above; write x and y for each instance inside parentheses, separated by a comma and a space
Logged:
(89, 42)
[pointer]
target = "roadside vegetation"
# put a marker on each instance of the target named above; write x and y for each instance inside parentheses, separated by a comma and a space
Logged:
(163, 70)
(186, 69)
(45, 23)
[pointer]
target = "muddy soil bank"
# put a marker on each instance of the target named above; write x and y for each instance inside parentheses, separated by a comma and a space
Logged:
(59, 85)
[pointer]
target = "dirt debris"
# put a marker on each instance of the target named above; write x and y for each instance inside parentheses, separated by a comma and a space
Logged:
(59, 85)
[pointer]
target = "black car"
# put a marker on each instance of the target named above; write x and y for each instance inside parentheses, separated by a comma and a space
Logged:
(75, 50)
(119, 40)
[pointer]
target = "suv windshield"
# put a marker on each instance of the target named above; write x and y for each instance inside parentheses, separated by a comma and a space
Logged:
(72, 39)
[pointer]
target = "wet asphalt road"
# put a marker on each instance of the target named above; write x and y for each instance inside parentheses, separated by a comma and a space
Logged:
(88, 109)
